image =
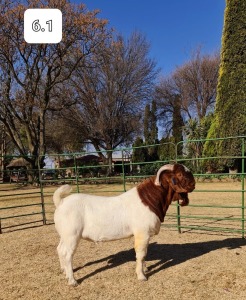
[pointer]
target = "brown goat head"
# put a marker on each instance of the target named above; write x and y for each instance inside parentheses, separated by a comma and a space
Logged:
(179, 178)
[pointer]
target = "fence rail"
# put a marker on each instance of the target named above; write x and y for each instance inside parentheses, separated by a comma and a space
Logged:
(217, 204)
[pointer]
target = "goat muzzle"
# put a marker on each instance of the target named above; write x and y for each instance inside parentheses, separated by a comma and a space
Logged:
(182, 198)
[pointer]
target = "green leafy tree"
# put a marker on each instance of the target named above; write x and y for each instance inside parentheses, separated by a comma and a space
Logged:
(139, 151)
(166, 149)
(196, 132)
(139, 154)
(230, 110)
(150, 124)
(147, 116)
(153, 123)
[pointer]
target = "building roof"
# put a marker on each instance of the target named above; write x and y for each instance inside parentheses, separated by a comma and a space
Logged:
(17, 163)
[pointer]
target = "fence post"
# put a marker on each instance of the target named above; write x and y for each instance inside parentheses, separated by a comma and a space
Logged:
(177, 204)
(76, 173)
(41, 191)
(123, 171)
(43, 205)
(243, 184)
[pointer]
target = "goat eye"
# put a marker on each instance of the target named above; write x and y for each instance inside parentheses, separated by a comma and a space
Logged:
(174, 181)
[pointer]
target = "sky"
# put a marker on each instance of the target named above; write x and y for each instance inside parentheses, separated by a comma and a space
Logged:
(174, 28)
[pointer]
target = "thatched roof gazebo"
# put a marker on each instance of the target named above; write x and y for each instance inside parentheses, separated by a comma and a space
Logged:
(17, 163)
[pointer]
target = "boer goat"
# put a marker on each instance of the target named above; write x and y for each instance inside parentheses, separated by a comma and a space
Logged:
(138, 212)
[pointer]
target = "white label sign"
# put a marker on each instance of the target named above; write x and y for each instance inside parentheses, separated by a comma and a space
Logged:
(43, 26)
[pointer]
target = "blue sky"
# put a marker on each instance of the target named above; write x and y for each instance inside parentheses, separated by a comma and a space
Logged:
(174, 28)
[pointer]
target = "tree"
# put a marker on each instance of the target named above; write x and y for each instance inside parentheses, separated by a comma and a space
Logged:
(33, 77)
(112, 93)
(150, 124)
(153, 123)
(166, 149)
(146, 121)
(170, 113)
(178, 123)
(140, 153)
(196, 132)
(230, 116)
(6, 146)
(151, 131)
(195, 83)
(165, 97)
(187, 96)
(65, 138)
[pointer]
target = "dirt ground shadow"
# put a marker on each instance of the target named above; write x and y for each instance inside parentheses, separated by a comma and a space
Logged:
(166, 255)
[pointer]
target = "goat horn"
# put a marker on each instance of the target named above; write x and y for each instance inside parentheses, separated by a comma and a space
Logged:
(166, 167)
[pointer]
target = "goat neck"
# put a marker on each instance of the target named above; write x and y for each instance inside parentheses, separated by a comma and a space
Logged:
(157, 198)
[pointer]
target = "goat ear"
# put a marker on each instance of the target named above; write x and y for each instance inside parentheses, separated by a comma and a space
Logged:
(175, 184)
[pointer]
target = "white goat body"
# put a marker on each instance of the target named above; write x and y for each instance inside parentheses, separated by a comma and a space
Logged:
(138, 212)
(98, 218)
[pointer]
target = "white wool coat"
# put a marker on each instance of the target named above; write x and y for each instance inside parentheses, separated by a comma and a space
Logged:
(99, 218)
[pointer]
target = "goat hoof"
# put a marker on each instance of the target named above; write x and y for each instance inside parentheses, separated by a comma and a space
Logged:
(142, 277)
(73, 282)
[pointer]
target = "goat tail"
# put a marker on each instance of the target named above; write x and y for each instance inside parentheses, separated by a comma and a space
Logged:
(61, 193)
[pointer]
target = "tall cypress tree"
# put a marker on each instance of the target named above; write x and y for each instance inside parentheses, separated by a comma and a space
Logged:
(150, 124)
(147, 117)
(139, 152)
(151, 130)
(230, 110)
(153, 123)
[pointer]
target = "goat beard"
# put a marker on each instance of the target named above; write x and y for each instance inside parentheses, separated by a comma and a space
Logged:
(181, 196)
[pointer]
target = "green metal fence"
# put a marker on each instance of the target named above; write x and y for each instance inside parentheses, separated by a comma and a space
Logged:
(216, 205)
(21, 202)
(219, 199)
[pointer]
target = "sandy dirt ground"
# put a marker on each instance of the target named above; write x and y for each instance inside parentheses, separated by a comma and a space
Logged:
(191, 265)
